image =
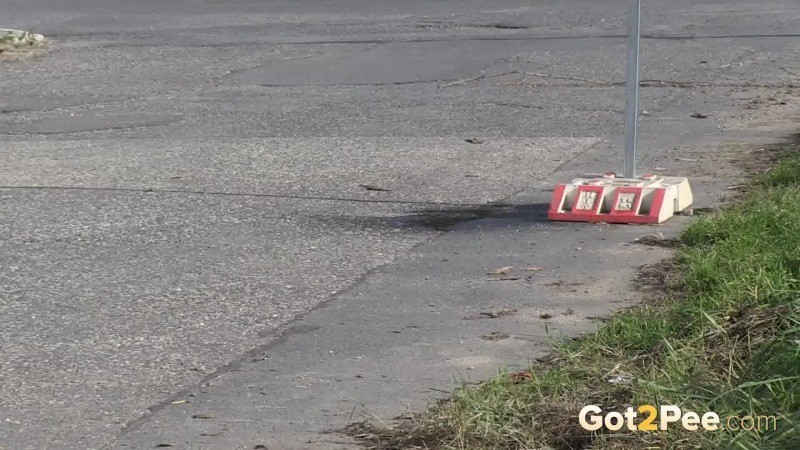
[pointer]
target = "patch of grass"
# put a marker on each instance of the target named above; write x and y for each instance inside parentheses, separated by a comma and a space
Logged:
(6, 43)
(726, 339)
(12, 41)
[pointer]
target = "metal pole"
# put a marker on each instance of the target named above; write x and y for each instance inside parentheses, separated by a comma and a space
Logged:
(632, 92)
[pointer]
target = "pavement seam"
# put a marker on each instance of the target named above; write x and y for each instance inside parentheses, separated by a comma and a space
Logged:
(257, 195)
(424, 40)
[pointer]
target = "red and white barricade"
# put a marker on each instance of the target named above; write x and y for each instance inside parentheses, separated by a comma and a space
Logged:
(647, 199)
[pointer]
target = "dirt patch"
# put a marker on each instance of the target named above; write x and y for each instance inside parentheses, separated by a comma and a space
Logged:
(658, 240)
(756, 161)
(659, 281)
(772, 110)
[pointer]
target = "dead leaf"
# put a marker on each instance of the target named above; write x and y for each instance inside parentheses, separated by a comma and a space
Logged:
(474, 140)
(495, 336)
(545, 316)
(518, 377)
(699, 116)
(501, 271)
(533, 269)
(201, 416)
(370, 187)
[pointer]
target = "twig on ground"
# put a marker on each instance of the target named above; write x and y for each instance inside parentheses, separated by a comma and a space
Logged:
(479, 77)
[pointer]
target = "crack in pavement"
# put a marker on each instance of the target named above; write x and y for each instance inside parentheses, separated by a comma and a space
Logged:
(422, 40)
(246, 194)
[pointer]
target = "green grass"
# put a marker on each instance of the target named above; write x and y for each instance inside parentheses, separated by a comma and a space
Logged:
(726, 339)
(6, 42)
(12, 43)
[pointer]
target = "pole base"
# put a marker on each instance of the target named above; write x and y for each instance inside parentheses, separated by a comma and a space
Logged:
(645, 200)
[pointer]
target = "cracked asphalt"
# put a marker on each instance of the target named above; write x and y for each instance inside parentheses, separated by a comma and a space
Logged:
(185, 231)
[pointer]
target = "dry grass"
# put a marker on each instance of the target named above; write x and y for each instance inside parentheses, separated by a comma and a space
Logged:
(14, 44)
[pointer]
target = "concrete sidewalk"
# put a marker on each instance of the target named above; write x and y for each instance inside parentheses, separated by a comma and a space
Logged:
(183, 210)
(412, 330)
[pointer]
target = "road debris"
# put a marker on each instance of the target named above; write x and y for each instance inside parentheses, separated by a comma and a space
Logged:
(563, 283)
(619, 379)
(735, 187)
(501, 271)
(492, 314)
(654, 238)
(370, 187)
(511, 278)
(495, 336)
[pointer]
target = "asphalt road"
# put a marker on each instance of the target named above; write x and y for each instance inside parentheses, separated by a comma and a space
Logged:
(182, 180)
